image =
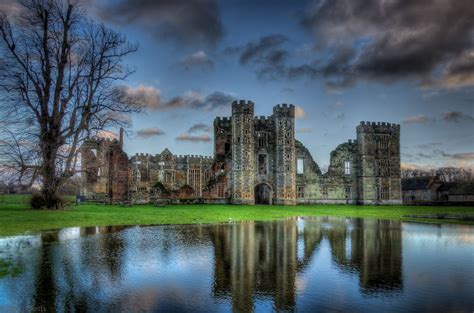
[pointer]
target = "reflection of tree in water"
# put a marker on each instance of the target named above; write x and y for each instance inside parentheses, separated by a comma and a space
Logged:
(45, 285)
(63, 271)
(260, 258)
(372, 248)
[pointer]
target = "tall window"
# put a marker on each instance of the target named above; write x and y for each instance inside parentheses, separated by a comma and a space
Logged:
(262, 164)
(262, 139)
(300, 166)
(347, 167)
(300, 191)
(325, 193)
(385, 193)
(194, 180)
(220, 191)
(348, 192)
(136, 175)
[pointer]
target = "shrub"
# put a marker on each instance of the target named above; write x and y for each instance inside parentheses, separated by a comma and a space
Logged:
(37, 201)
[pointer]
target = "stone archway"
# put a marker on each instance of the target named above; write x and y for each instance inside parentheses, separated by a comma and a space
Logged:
(263, 194)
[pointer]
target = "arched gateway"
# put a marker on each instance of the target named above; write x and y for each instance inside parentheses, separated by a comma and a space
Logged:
(263, 194)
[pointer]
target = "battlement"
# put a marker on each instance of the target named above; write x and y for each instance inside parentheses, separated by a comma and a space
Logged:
(193, 158)
(223, 122)
(378, 126)
(262, 118)
(141, 156)
(352, 142)
(242, 107)
(284, 110)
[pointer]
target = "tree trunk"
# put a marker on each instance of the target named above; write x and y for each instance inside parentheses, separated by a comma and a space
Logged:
(51, 197)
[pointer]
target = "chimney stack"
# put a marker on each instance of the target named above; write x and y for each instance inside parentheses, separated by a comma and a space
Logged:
(121, 138)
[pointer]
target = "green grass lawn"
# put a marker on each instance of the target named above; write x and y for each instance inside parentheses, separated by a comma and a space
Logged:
(16, 217)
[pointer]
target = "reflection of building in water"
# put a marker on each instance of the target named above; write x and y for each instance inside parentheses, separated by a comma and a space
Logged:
(260, 258)
(373, 248)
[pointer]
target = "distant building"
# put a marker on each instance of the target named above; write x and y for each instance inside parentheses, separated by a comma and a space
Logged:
(432, 190)
(257, 160)
(421, 189)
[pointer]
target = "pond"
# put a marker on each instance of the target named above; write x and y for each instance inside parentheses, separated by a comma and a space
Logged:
(299, 264)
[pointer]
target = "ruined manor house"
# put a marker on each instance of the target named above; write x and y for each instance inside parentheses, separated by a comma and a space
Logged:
(257, 160)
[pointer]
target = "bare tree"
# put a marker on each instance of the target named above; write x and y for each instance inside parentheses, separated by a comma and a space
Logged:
(58, 85)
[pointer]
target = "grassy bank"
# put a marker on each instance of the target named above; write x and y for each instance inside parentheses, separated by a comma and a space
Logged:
(17, 218)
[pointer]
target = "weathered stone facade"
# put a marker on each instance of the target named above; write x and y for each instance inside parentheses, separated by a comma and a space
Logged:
(105, 173)
(256, 161)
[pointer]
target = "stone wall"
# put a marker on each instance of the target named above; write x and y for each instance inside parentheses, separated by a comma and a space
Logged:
(379, 157)
(285, 172)
(243, 156)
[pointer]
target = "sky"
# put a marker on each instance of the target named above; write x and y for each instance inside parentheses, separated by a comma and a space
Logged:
(340, 62)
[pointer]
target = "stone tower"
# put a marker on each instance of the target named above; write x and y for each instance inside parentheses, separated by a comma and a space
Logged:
(104, 170)
(285, 161)
(379, 159)
(243, 157)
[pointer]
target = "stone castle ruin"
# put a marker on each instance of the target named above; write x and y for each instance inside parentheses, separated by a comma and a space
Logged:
(257, 160)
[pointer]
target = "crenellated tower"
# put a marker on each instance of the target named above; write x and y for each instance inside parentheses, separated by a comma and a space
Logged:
(285, 160)
(243, 157)
(379, 176)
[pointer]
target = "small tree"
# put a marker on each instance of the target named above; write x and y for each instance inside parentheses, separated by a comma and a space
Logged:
(58, 85)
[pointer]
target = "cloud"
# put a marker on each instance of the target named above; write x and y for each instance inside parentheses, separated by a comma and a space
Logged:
(186, 22)
(150, 97)
(149, 132)
(216, 100)
(428, 41)
(200, 127)
(304, 130)
(456, 116)
(263, 49)
(429, 145)
(415, 119)
(391, 40)
(198, 60)
(11, 8)
(465, 156)
(340, 116)
(299, 112)
(266, 54)
(193, 138)
(107, 134)
(459, 72)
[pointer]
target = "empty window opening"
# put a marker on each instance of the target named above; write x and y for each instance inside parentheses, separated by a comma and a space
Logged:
(262, 164)
(347, 167)
(300, 191)
(300, 166)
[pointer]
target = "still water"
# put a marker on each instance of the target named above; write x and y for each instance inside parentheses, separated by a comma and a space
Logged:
(299, 264)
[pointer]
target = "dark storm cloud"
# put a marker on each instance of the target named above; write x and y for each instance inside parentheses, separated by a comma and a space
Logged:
(216, 100)
(190, 22)
(266, 54)
(265, 48)
(395, 40)
(200, 127)
(456, 117)
(150, 98)
(428, 41)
